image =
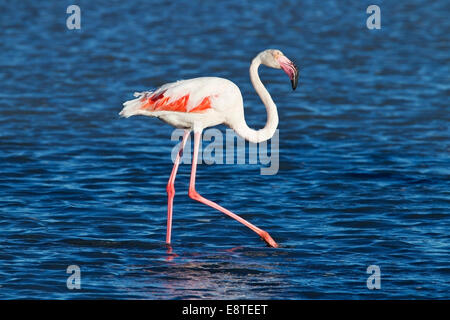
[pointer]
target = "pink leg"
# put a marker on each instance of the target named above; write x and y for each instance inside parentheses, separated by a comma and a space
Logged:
(171, 186)
(194, 195)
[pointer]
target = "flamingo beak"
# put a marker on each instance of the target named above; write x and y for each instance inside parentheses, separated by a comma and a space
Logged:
(291, 70)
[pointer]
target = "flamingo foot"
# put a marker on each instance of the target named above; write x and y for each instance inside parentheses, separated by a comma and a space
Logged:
(268, 239)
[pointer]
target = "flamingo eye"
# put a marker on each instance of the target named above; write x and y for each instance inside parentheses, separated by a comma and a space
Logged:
(277, 54)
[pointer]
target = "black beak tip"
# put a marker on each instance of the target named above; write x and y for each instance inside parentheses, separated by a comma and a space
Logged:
(294, 81)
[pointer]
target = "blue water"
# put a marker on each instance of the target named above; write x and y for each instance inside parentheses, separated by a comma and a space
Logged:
(364, 175)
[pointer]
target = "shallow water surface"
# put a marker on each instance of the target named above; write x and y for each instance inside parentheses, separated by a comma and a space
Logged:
(364, 152)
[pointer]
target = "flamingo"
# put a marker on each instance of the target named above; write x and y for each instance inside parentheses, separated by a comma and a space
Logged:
(199, 103)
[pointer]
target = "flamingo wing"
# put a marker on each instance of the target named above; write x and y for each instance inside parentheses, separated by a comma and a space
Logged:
(189, 96)
(165, 100)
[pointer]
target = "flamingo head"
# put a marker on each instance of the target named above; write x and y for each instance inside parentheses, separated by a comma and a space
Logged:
(276, 59)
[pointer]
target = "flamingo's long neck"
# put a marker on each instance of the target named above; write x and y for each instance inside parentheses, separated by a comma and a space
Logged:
(267, 132)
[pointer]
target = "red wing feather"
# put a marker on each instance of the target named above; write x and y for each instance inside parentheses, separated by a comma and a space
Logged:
(159, 102)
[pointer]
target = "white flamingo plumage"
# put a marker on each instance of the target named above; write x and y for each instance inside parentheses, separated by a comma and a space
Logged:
(196, 104)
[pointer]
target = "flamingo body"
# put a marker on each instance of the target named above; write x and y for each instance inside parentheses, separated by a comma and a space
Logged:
(198, 103)
(189, 104)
